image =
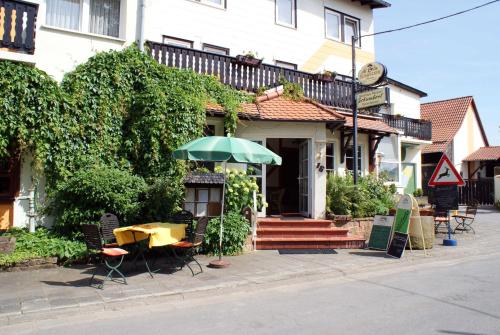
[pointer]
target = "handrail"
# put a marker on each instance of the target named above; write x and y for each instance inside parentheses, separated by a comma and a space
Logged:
(18, 25)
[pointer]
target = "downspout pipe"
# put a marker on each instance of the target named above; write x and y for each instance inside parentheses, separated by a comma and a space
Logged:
(142, 14)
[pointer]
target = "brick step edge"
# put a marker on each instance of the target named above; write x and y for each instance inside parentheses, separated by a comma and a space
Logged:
(303, 229)
(311, 239)
(304, 245)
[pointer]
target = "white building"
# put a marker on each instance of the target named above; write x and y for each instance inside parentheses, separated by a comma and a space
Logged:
(295, 38)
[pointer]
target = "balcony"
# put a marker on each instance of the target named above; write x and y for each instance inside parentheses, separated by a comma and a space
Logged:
(420, 129)
(240, 76)
(17, 26)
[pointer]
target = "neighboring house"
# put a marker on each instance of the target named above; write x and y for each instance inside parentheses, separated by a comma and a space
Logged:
(457, 130)
(296, 39)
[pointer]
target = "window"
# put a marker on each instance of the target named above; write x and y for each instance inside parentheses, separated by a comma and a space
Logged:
(197, 200)
(341, 27)
(350, 30)
(214, 3)
(178, 42)
(332, 24)
(349, 159)
(215, 49)
(100, 17)
(286, 65)
(330, 157)
(285, 12)
(387, 153)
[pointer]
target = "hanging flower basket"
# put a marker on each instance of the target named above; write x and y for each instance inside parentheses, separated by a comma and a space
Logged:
(326, 77)
(247, 60)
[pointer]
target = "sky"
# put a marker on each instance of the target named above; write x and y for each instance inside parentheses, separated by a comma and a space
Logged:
(455, 57)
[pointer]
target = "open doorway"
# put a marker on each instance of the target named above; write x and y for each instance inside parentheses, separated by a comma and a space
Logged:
(287, 186)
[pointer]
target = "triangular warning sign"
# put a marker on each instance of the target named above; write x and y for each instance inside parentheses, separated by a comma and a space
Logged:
(446, 174)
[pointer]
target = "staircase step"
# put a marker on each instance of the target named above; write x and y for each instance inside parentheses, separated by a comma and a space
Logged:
(338, 243)
(285, 222)
(309, 239)
(301, 232)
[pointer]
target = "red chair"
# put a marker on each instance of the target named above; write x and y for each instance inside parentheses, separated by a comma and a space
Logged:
(111, 258)
(191, 245)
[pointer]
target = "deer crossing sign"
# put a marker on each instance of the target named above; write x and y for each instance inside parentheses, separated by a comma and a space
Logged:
(446, 174)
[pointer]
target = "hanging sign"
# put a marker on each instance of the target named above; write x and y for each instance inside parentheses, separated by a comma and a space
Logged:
(445, 174)
(381, 232)
(372, 98)
(372, 73)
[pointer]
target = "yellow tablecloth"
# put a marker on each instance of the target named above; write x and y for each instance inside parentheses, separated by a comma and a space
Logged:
(159, 233)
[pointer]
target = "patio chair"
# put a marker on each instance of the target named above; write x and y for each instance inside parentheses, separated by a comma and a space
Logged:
(464, 222)
(109, 222)
(440, 218)
(111, 258)
(185, 217)
(190, 247)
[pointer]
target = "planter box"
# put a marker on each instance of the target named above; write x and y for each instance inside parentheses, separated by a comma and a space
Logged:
(7, 245)
(246, 60)
(323, 77)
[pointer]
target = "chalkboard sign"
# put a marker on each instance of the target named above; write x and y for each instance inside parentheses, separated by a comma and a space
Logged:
(398, 244)
(381, 232)
(444, 198)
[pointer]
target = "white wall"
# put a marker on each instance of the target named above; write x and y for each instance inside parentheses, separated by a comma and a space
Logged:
(467, 140)
(404, 102)
(246, 25)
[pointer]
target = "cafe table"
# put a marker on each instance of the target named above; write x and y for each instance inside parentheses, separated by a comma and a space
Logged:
(157, 234)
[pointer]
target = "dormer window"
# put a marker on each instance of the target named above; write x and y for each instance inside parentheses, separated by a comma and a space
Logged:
(285, 13)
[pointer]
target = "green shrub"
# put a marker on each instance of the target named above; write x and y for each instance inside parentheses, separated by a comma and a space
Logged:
(91, 192)
(371, 197)
(235, 232)
(162, 198)
(42, 243)
(239, 190)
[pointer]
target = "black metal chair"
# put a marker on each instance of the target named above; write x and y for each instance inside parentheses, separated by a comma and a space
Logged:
(109, 222)
(111, 258)
(190, 247)
(464, 222)
(185, 217)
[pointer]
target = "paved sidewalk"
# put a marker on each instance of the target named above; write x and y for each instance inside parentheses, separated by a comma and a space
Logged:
(25, 295)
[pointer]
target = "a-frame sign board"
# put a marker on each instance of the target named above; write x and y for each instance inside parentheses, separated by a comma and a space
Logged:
(446, 174)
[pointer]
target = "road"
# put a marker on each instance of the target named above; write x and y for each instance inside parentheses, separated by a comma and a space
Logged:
(456, 297)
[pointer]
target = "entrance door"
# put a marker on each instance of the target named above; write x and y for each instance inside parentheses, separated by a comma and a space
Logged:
(304, 178)
(409, 179)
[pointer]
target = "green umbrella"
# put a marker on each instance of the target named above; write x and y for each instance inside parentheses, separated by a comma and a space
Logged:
(226, 149)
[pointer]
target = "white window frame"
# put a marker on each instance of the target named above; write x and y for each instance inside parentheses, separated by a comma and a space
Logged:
(329, 11)
(358, 27)
(222, 51)
(177, 41)
(361, 158)
(285, 65)
(222, 4)
(294, 14)
(84, 21)
(334, 167)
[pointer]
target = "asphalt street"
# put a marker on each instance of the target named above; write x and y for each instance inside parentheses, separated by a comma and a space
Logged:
(457, 297)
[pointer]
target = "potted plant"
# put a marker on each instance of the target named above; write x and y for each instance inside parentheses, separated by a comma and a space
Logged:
(325, 75)
(249, 58)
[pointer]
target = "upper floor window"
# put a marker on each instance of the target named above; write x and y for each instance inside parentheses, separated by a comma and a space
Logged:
(178, 42)
(215, 3)
(285, 65)
(100, 17)
(341, 27)
(285, 12)
(215, 49)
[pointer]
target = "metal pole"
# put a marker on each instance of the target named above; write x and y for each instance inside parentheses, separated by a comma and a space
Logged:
(142, 17)
(354, 112)
(222, 212)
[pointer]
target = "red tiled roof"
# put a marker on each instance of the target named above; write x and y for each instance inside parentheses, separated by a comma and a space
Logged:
(484, 154)
(447, 116)
(370, 124)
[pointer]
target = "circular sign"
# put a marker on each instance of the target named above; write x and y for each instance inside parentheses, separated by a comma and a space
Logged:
(372, 73)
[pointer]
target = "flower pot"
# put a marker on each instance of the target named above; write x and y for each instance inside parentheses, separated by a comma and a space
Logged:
(247, 60)
(324, 77)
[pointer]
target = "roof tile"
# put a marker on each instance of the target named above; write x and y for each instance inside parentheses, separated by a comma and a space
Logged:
(484, 154)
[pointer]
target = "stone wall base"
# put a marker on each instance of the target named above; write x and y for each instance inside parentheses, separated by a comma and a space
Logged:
(33, 264)
(357, 226)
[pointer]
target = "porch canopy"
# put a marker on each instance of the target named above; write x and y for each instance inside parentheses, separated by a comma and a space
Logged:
(484, 154)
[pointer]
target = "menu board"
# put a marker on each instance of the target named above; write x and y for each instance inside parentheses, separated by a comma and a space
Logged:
(381, 232)
(398, 244)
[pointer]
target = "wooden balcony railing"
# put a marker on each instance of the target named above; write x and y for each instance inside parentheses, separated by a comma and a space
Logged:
(417, 128)
(17, 25)
(245, 77)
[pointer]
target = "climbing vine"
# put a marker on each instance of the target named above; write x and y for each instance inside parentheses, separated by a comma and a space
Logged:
(120, 109)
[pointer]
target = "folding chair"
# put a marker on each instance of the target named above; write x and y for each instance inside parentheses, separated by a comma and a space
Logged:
(190, 246)
(440, 218)
(109, 222)
(111, 258)
(464, 222)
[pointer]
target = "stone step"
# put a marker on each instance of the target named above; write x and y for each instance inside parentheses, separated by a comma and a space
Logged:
(301, 232)
(285, 222)
(351, 242)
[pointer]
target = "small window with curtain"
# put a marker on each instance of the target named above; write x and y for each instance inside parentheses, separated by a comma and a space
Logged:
(100, 17)
(330, 157)
(285, 13)
(351, 28)
(285, 65)
(349, 159)
(178, 42)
